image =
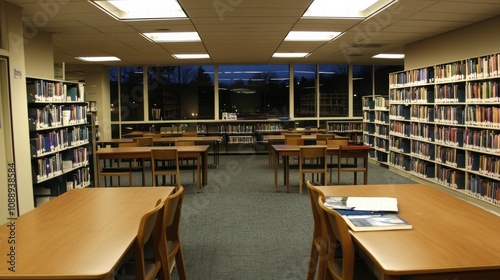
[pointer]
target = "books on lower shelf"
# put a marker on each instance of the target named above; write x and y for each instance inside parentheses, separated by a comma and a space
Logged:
(376, 222)
(386, 204)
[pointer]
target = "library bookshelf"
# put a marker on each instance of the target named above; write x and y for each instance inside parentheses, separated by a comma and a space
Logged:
(59, 137)
(376, 127)
(444, 125)
(352, 128)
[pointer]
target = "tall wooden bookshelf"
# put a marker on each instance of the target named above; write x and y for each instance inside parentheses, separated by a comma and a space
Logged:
(59, 137)
(352, 128)
(445, 125)
(376, 127)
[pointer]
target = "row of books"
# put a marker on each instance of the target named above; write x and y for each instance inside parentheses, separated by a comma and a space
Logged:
(399, 112)
(483, 67)
(78, 179)
(412, 77)
(484, 188)
(422, 113)
(399, 161)
(450, 177)
(49, 167)
(482, 140)
(271, 127)
(236, 128)
(382, 144)
(422, 150)
(54, 116)
(345, 127)
(381, 130)
(51, 91)
(450, 156)
(450, 72)
(400, 128)
(450, 93)
(59, 140)
(451, 136)
(422, 168)
(401, 145)
(483, 116)
(381, 103)
(239, 140)
(449, 115)
(422, 131)
(381, 117)
(483, 91)
(487, 165)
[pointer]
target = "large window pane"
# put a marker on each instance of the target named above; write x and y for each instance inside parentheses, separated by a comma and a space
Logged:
(181, 92)
(254, 90)
(334, 86)
(361, 86)
(113, 94)
(304, 90)
(131, 94)
(382, 77)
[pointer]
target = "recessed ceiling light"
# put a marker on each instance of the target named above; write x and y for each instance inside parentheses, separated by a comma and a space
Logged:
(98, 58)
(389, 56)
(311, 35)
(345, 9)
(140, 10)
(165, 37)
(290, 55)
(190, 56)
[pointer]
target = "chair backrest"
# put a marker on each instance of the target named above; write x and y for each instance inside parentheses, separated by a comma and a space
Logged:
(184, 143)
(354, 151)
(337, 142)
(164, 154)
(190, 134)
(338, 231)
(173, 209)
(149, 222)
(314, 194)
(294, 139)
(313, 152)
(144, 141)
(325, 137)
(128, 144)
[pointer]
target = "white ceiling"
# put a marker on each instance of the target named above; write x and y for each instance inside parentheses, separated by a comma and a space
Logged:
(248, 31)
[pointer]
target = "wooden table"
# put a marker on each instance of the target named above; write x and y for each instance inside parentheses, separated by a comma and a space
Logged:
(145, 153)
(286, 151)
(450, 239)
(81, 234)
(202, 139)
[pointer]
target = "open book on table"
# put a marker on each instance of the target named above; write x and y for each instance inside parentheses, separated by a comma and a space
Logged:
(376, 222)
(358, 203)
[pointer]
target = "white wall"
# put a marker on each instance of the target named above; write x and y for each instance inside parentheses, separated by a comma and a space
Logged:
(14, 52)
(475, 40)
(39, 55)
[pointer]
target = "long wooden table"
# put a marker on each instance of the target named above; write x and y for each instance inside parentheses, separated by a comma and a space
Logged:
(81, 234)
(145, 153)
(286, 151)
(450, 239)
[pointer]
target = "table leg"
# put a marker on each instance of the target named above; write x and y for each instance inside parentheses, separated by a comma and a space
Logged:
(205, 167)
(276, 156)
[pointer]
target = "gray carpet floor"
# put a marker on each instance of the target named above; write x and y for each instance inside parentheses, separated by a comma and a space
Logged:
(238, 227)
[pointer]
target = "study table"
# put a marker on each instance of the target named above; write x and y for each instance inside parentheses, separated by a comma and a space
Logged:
(450, 238)
(286, 151)
(145, 153)
(81, 234)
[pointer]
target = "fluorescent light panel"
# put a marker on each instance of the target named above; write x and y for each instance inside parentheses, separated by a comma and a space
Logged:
(98, 58)
(311, 35)
(389, 56)
(290, 55)
(141, 10)
(345, 9)
(166, 37)
(190, 56)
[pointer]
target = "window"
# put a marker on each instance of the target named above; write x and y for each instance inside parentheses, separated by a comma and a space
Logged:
(333, 88)
(304, 88)
(382, 77)
(254, 91)
(181, 92)
(361, 86)
(131, 94)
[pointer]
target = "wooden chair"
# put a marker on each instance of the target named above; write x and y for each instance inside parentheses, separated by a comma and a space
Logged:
(190, 134)
(354, 152)
(294, 139)
(149, 231)
(165, 162)
(119, 170)
(144, 141)
(312, 159)
(345, 266)
(184, 163)
(319, 248)
(335, 143)
(171, 247)
(322, 138)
